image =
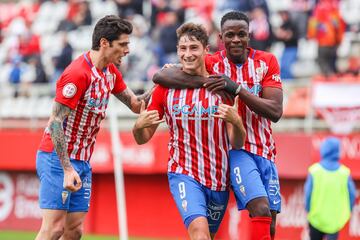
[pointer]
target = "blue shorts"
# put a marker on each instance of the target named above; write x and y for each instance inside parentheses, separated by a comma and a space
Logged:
(52, 194)
(252, 176)
(195, 200)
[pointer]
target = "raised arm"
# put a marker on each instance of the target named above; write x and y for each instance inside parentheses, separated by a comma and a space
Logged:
(132, 101)
(174, 77)
(72, 180)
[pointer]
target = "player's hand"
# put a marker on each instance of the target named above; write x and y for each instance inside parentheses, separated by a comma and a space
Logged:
(72, 181)
(147, 118)
(169, 65)
(222, 82)
(229, 113)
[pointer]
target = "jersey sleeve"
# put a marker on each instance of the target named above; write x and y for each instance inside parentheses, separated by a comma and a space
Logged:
(71, 87)
(119, 84)
(272, 77)
(157, 100)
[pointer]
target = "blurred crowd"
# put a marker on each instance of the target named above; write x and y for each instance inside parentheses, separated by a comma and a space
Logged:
(39, 38)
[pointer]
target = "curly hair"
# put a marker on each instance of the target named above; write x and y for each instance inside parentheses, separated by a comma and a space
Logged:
(110, 27)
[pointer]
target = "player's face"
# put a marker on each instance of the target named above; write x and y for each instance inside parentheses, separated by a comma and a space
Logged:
(191, 54)
(235, 35)
(118, 49)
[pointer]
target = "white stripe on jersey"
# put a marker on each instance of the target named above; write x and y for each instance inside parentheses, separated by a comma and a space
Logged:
(212, 145)
(199, 147)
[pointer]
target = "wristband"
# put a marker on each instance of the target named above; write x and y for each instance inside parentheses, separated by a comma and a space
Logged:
(238, 89)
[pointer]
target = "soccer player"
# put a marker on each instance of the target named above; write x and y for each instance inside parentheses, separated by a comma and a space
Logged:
(253, 76)
(82, 96)
(200, 124)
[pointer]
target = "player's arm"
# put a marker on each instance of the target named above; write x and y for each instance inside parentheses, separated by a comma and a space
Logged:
(145, 125)
(174, 77)
(234, 124)
(269, 105)
(72, 180)
(132, 101)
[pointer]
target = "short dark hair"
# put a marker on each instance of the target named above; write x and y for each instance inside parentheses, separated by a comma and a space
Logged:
(193, 30)
(110, 27)
(234, 15)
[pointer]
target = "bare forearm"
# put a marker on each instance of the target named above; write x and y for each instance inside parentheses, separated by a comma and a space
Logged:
(236, 134)
(267, 108)
(174, 77)
(58, 139)
(142, 135)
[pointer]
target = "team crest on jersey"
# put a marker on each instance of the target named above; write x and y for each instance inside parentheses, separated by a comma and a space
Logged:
(69, 90)
(260, 72)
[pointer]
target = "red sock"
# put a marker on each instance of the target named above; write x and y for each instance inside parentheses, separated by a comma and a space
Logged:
(260, 228)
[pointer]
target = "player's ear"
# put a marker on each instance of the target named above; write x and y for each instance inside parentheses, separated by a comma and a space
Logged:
(104, 42)
(207, 48)
(220, 36)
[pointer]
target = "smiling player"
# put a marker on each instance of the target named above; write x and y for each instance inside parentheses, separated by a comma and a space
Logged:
(200, 125)
(82, 95)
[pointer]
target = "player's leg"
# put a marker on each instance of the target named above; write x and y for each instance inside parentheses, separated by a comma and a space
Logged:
(73, 226)
(315, 234)
(333, 236)
(79, 202)
(190, 200)
(250, 193)
(52, 225)
(270, 178)
(217, 202)
(53, 199)
(198, 229)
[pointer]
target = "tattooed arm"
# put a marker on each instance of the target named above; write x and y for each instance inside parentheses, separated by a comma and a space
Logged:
(132, 101)
(72, 180)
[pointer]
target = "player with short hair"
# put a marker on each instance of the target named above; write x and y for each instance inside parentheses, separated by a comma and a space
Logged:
(253, 76)
(82, 96)
(201, 126)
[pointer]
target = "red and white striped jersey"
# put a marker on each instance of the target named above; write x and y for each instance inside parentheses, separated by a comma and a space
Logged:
(86, 90)
(198, 143)
(261, 70)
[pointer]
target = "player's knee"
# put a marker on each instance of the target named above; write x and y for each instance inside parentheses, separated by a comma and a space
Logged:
(198, 234)
(259, 208)
(76, 234)
(73, 233)
(53, 233)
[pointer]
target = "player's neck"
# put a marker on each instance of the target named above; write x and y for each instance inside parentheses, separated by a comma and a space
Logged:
(97, 59)
(239, 59)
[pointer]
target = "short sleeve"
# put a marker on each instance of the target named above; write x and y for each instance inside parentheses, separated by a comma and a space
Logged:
(70, 87)
(272, 77)
(157, 100)
(119, 84)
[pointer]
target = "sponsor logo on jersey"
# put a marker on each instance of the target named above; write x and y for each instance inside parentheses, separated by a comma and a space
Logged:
(276, 77)
(194, 111)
